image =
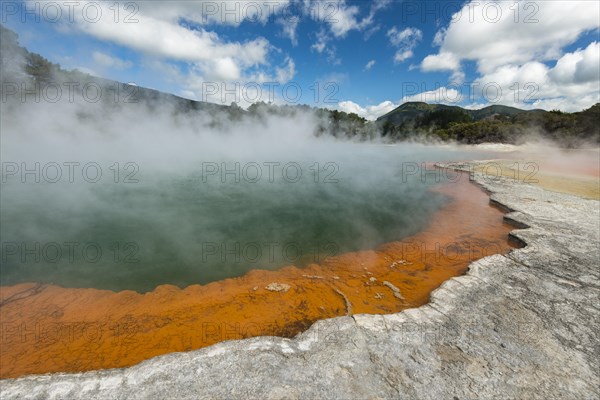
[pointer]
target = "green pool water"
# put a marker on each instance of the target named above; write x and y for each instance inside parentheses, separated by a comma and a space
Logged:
(186, 226)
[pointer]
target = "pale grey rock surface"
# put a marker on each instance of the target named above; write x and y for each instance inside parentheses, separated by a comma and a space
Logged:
(523, 326)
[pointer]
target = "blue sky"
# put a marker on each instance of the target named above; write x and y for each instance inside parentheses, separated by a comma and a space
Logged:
(364, 57)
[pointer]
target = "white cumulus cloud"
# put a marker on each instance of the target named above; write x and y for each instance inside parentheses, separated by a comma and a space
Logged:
(496, 33)
(405, 41)
(572, 84)
(369, 65)
(369, 112)
(519, 47)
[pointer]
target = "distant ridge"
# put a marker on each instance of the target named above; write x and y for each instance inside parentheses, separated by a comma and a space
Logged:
(495, 123)
(416, 109)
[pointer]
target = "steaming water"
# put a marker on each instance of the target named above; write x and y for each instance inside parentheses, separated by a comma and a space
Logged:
(187, 227)
(178, 224)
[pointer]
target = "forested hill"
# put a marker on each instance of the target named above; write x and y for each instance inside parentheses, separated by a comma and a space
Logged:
(496, 123)
(411, 111)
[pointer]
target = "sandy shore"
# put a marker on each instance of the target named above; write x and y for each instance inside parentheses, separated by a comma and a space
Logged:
(583, 182)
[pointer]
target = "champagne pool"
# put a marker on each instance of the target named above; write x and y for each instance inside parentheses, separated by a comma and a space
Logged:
(216, 218)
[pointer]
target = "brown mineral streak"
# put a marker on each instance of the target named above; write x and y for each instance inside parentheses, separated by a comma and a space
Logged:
(47, 328)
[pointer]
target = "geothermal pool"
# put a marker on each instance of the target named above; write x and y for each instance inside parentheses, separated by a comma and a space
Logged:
(213, 219)
(375, 237)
